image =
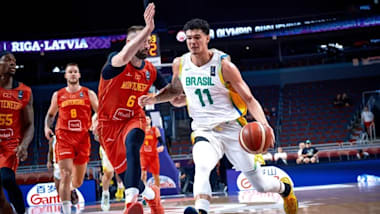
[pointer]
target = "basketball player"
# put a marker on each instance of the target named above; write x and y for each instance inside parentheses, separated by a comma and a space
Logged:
(16, 127)
(149, 152)
(125, 77)
(217, 99)
(73, 103)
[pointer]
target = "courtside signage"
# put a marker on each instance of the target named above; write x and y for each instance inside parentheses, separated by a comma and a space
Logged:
(46, 194)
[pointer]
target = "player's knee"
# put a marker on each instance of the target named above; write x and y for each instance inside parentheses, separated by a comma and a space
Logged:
(202, 152)
(66, 174)
(77, 182)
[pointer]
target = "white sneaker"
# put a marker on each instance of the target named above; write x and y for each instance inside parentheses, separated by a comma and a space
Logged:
(105, 203)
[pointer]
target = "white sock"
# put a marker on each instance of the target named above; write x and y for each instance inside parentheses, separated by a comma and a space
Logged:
(131, 195)
(202, 204)
(148, 193)
(66, 207)
(106, 192)
(120, 185)
(282, 187)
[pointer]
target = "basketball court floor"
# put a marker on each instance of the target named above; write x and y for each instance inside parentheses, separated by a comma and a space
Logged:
(337, 199)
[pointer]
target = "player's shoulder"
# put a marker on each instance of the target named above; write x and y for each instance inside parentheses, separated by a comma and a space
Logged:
(22, 86)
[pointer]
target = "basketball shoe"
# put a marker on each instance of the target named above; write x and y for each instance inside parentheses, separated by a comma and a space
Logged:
(74, 197)
(105, 202)
(290, 199)
(155, 204)
(192, 210)
(119, 193)
(133, 207)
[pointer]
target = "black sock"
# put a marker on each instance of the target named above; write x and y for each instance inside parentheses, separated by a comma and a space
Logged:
(287, 190)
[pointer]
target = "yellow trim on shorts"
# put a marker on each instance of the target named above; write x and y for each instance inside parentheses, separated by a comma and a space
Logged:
(242, 121)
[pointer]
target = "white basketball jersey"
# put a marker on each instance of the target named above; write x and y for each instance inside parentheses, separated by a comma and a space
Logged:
(209, 100)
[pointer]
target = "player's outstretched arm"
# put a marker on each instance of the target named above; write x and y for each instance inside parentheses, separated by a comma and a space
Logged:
(132, 46)
(166, 94)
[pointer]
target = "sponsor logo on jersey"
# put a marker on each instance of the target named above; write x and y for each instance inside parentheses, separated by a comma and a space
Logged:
(7, 95)
(122, 114)
(6, 133)
(199, 81)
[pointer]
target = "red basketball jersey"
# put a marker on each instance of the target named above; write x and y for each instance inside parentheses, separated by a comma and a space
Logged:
(150, 142)
(74, 110)
(118, 96)
(12, 101)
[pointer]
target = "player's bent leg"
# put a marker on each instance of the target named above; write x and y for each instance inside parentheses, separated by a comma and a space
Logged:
(79, 171)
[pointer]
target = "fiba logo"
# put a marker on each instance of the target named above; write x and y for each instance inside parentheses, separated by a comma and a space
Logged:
(181, 36)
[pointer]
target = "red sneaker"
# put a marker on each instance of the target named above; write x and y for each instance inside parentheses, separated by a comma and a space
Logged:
(133, 208)
(155, 204)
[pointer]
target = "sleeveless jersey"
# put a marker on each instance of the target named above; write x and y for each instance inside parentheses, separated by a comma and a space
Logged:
(118, 96)
(12, 102)
(149, 146)
(74, 110)
(210, 100)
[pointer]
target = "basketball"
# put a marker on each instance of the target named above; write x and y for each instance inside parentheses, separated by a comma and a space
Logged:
(255, 138)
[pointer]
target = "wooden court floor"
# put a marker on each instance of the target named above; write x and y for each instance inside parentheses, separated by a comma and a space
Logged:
(337, 199)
